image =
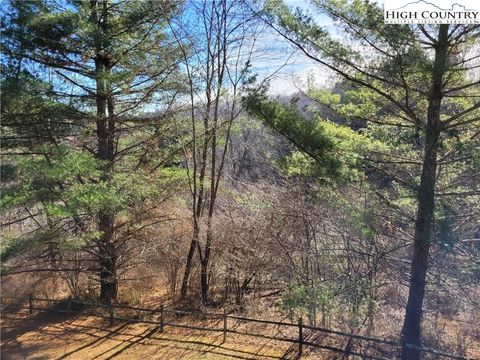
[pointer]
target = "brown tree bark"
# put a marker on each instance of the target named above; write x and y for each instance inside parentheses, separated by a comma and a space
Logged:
(411, 333)
(220, 20)
(204, 265)
(189, 263)
(106, 153)
(106, 219)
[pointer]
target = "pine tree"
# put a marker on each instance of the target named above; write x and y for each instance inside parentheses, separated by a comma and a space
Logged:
(416, 77)
(112, 57)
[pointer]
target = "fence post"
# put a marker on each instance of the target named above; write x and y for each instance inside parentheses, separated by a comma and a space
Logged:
(111, 315)
(161, 318)
(30, 304)
(224, 324)
(300, 338)
(69, 306)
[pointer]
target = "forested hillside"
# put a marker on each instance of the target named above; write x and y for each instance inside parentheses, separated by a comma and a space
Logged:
(147, 158)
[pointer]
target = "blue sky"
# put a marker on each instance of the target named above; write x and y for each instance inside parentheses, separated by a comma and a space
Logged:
(290, 66)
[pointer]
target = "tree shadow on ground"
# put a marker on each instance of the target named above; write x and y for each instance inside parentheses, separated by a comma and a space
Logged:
(151, 340)
(19, 324)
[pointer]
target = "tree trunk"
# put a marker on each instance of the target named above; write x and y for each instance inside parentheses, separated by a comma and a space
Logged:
(205, 262)
(106, 153)
(204, 281)
(189, 264)
(108, 260)
(198, 199)
(411, 333)
(106, 219)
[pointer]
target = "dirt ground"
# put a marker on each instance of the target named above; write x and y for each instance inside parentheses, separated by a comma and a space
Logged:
(43, 336)
(54, 336)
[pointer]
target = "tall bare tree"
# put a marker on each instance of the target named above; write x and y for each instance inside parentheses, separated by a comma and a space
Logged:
(217, 47)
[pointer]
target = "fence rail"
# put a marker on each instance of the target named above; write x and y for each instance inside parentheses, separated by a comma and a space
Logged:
(302, 340)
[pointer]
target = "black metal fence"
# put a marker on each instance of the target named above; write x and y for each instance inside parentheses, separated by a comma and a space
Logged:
(301, 336)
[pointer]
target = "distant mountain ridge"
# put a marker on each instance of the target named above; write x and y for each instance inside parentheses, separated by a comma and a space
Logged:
(429, 3)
